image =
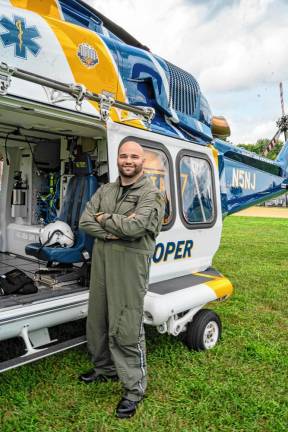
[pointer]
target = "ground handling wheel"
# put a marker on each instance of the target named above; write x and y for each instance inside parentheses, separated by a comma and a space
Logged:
(204, 331)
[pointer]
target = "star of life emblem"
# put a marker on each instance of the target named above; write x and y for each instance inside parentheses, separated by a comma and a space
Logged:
(87, 55)
(18, 34)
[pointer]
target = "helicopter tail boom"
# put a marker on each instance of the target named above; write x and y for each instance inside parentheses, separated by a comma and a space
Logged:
(247, 179)
(282, 158)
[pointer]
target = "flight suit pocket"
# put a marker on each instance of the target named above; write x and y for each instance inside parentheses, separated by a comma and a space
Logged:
(129, 326)
(154, 221)
(128, 205)
(156, 216)
(131, 199)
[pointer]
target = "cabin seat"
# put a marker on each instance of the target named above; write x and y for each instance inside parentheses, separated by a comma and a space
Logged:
(80, 189)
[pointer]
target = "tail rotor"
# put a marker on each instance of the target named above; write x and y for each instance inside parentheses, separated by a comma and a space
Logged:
(282, 125)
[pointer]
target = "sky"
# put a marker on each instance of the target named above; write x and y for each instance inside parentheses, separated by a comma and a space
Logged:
(236, 49)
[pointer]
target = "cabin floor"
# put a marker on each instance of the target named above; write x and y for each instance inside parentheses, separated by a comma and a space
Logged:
(9, 262)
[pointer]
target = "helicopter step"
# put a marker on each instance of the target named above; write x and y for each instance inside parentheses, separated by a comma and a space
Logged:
(41, 353)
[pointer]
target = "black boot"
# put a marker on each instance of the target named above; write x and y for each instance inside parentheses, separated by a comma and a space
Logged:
(92, 376)
(126, 408)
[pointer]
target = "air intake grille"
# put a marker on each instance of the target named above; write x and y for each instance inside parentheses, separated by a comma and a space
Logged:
(184, 90)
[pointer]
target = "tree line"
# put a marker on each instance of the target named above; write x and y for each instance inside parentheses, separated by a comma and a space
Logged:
(260, 145)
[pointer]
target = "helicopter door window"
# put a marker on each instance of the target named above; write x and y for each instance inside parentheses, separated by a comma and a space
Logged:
(156, 167)
(197, 191)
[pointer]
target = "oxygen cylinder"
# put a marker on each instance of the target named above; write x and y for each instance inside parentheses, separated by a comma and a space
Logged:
(19, 197)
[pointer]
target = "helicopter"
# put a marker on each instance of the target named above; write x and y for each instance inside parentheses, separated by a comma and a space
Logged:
(73, 86)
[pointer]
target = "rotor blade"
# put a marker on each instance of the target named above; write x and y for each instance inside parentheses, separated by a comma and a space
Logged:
(281, 98)
(272, 143)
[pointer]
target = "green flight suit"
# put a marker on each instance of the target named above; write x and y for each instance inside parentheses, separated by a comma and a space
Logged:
(119, 278)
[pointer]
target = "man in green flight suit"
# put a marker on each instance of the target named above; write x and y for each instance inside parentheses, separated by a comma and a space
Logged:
(125, 218)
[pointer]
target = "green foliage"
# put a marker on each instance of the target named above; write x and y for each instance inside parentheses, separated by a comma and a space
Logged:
(260, 145)
(239, 386)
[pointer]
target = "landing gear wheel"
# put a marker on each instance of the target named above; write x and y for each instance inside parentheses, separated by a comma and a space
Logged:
(204, 331)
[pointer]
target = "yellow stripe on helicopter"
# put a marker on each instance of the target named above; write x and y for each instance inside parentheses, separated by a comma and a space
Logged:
(42, 7)
(214, 154)
(221, 286)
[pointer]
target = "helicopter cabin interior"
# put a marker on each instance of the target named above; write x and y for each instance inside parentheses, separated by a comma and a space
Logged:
(40, 156)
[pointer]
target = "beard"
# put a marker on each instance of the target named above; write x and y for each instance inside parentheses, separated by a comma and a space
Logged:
(130, 171)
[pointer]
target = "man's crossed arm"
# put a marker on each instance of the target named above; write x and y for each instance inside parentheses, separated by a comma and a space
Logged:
(147, 218)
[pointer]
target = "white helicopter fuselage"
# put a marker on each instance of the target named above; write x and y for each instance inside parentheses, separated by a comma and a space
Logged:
(41, 118)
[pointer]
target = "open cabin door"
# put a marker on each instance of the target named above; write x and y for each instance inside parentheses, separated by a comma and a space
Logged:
(187, 175)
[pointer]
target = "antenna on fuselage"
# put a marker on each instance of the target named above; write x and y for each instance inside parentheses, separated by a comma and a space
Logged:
(282, 125)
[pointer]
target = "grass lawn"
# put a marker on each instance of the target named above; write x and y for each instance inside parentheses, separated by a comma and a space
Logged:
(241, 385)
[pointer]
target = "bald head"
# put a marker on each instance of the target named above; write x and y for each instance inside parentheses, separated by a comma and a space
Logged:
(131, 146)
(130, 161)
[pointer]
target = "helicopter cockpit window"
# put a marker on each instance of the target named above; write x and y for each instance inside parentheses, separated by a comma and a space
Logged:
(77, 14)
(196, 182)
(156, 167)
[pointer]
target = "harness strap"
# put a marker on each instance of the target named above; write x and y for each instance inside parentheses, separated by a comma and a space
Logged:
(74, 187)
(80, 199)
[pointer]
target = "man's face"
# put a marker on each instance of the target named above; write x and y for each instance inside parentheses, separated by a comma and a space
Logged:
(130, 159)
